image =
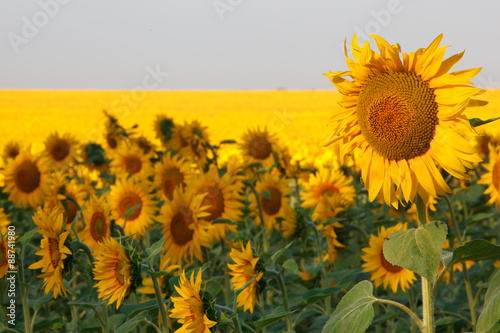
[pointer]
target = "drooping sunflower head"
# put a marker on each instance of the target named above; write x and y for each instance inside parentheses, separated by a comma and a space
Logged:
(243, 270)
(190, 308)
(145, 144)
(330, 233)
(405, 116)
(97, 217)
(61, 149)
(130, 159)
(183, 226)
(164, 127)
(330, 191)
(173, 171)
(128, 193)
(27, 180)
(222, 199)
(116, 271)
(11, 150)
(195, 142)
(492, 177)
(53, 249)
(381, 270)
(258, 146)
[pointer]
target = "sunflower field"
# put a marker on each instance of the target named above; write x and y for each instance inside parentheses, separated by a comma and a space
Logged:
(370, 209)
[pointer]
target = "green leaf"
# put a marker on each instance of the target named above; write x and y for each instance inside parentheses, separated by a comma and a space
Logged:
(291, 266)
(474, 122)
(474, 250)
(418, 250)
(266, 194)
(154, 249)
(335, 219)
(354, 312)
(270, 319)
(491, 310)
(93, 306)
(24, 239)
(131, 324)
(132, 310)
(278, 253)
(314, 295)
(445, 321)
(224, 221)
(131, 210)
(227, 142)
(479, 217)
(37, 303)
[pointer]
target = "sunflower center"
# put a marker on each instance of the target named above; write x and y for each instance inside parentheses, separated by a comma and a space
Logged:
(272, 205)
(130, 201)
(59, 150)
(27, 176)
(388, 266)
(214, 199)
(259, 148)
(496, 175)
(132, 164)
(55, 255)
(397, 114)
(171, 179)
(180, 226)
(98, 226)
(329, 191)
(119, 277)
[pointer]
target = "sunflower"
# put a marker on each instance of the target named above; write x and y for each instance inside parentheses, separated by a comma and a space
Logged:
(190, 307)
(383, 272)
(332, 240)
(173, 171)
(185, 231)
(114, 270)
(492, 178)
(4, 259)
(164, 128)
(222, 199)
(130, 159)
(129, 193)
(61, 150)
(52, 249)
(194, 142)
(94, 157)
(11, 150)
(4, 222)
(258, 146)
(330, 191)
(404, 116)
(243, 271)
(97, 217)
(277, 206)
(27, 180)
(456, 267)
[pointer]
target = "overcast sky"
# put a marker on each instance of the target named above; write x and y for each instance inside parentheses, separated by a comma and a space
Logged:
(225, 44)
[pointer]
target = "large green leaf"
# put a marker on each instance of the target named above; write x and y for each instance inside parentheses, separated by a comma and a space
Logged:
(354, 312)
(491, 310)
(418, 250)
(474, 250)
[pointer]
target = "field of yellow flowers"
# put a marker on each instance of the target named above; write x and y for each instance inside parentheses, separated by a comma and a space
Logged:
(371, 208)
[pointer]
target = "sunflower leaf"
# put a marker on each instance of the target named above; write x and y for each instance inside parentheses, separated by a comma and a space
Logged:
(271, 319)
(491, 310)
(24, 239)
(291, 266)
(474, 250)
(130, 211)
(224, 221)
(278, 253)
(418, 250)
(474, 122)
(266, 194)
(313, 295)
(227, 142)
(355, 311)
(156, 248)
(131, 324)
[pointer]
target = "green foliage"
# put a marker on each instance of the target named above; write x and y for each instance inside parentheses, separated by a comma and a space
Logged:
(491, 310)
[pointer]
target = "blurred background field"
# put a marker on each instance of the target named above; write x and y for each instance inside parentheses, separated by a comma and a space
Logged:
(297, 116)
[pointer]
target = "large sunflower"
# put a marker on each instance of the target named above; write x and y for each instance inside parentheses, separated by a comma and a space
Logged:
(330, 191)
(27, 180)
(492, 178)
(243, 271)
(189, 308)
(114, 271)
(405, 116)
(130, 159)
(61, 149)
(258, 146)
(129, 193)
(173, 171)
(277, 205)
(185, 231)
(383, 272)
(97, 217)
(222, 199)
(52, 249)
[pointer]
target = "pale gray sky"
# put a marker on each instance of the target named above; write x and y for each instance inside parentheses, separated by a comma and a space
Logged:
(224, 44)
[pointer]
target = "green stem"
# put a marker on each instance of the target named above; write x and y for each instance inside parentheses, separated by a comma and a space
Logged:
(324, 277)
(161, 305)
(265, 240)
(24, 293)
(236, 322)
(412, 308)
(427, 296)
(412, 314)
(284, 296)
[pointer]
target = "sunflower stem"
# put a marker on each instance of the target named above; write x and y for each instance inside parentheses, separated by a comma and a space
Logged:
(468, 288)
(104, 315)
(161, 305)
(265, 236)
(427, 296)
(324, 277)
(412, 308)
(284, 296)
(24, 292)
